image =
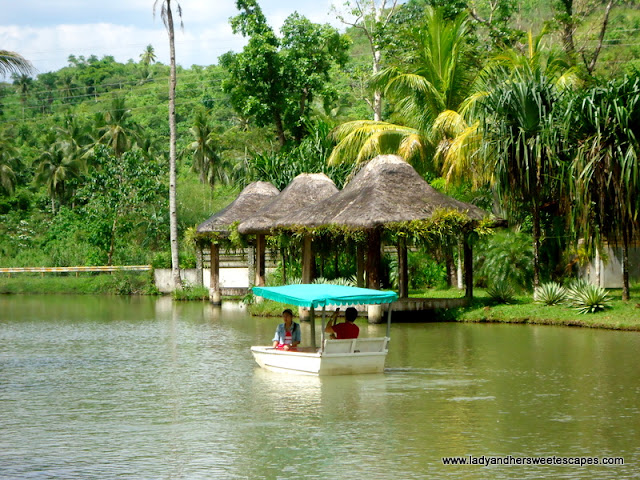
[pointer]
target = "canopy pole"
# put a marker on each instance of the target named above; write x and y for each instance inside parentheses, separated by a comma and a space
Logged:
(323, 327)
(389, 322)
(313, 326)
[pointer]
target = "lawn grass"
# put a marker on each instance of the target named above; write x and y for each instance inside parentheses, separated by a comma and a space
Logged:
(621, 315)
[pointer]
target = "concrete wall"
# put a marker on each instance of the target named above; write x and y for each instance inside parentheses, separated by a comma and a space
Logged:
(611, 270)
(233, 281)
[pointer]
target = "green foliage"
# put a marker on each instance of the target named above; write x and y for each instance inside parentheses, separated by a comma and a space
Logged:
(310, 156)
(550, 293)
(163, 260)
(501, 292)
(505, 257)
(191, 292)
(274, 80)
(422, 269)
(588, 298)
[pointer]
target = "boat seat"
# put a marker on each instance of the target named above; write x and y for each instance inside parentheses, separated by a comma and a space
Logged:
(356, 345)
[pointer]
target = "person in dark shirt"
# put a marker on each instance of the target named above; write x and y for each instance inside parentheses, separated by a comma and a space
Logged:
(345, 330)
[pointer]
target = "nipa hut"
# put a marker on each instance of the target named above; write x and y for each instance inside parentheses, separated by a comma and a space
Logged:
(304, 191)
(386, 190)
(250, 199)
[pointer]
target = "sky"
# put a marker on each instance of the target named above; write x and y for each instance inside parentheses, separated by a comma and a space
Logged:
(46, 32)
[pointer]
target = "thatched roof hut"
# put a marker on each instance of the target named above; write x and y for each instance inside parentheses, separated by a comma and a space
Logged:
(385, 190)
(252, 198)
(304, 191)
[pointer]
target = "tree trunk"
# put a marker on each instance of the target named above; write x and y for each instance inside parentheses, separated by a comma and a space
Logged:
(625, 266)
(403, 277)
(460, 269)
(373, 260)
(112, 243)
(214, 275)
(307, 260)
(173, 215)
(199, 274)
(468, 268)
(536, 243)
(279, 128)
(260, 259)
(360, 266)
(283, 256)
(450, 267)
(377, 95)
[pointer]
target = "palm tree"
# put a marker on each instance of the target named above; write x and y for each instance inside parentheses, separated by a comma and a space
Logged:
(605, 123)
(119, 131)
(14, 63)
(207, 161)
(520, 135)
(55, 168)
(8, 162)
(148, 56)
(436, 79)
(167, 17)
(24, 83)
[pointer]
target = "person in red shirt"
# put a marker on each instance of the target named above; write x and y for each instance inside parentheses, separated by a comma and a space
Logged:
(345, 330)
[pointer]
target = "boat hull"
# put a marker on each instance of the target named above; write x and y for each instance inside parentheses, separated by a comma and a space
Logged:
(321, 363)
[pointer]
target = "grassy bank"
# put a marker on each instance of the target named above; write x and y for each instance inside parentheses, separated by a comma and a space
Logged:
(621, 315)
(119, 283)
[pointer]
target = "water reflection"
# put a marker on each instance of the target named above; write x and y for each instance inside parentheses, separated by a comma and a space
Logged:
(145, 388)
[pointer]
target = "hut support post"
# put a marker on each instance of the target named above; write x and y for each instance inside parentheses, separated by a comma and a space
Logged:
(389, 322)
(260, 260)
(199, 274)
(324, 311)
(214, 283)
(360, 266)
(373, 260)
(468, 268)
(307, 260)
(312, 317)
(403, 278)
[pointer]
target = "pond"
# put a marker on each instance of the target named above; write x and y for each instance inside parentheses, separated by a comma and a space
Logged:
(144, 388)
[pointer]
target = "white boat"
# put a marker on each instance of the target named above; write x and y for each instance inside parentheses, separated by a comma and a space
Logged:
(333, 357)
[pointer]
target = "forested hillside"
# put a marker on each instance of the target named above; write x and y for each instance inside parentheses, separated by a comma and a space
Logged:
(84, 150)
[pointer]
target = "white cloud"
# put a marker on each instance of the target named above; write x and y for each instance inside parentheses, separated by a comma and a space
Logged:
(47, 32)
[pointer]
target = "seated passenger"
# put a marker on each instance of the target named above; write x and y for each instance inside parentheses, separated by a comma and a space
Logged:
(287, 335)
(345, 330)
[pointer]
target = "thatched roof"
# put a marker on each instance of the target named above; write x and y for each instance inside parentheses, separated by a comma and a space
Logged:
(385, 190)
(304, 190)
(252, 198)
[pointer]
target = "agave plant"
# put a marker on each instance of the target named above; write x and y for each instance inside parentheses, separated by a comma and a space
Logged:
(501, 292)
(588, 298)
(349, 282)
(550, 293)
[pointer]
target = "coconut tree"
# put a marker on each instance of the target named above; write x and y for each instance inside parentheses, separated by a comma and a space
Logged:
(207, 160)
(55, 167)
(434, 78)
(12, 62)
(148, 56)
(604, 122)
(8, 162)
(167, 17)
(119, 130)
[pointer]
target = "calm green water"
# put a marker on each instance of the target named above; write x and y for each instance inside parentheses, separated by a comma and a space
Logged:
(140, 388)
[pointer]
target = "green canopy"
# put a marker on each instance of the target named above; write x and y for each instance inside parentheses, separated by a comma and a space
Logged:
(320, 295)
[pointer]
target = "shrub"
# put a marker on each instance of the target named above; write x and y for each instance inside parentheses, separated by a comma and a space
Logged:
(587, 298)
(506, 257)
(501, 292)
(191, 292)
(550, 293)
